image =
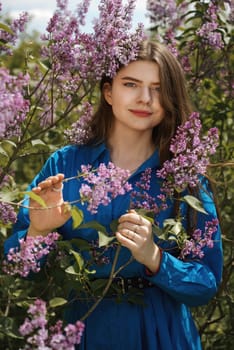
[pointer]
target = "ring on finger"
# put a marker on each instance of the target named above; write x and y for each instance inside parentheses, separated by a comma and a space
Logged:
(131, 234)
(136, 228)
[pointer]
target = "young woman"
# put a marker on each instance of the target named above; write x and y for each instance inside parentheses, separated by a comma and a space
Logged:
(139, 112)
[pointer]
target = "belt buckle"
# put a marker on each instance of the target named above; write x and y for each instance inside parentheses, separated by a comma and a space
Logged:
(120, 282)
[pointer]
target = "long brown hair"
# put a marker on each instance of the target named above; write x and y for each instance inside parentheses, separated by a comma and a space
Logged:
(174, 99)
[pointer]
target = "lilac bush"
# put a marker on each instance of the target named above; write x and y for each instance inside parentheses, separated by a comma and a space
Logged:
(39, 335)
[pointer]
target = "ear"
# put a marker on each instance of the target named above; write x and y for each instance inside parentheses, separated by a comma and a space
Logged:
(107, 92)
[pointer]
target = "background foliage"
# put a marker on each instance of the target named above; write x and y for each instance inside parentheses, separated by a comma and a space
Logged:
(206, 53)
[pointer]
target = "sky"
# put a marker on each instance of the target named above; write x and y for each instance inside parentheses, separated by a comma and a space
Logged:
(42, 10)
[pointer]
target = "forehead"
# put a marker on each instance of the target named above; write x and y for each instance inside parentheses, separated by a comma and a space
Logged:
(140, 70)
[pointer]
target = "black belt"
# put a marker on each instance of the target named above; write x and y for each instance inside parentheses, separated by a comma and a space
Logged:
(126, 284)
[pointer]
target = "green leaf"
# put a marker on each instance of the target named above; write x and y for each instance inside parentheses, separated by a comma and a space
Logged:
(8, 195)
(36, 198)
(98, 284)
(82, 244)
(104, 240)
(3, 157)
(38, 142)
(172, 226)
(95, 225)
(78, 258)
(6, 28)
(57, 301)
(156, 230)
(77, 216)
(72, 270)
(113, 225)
(38, 145)
(8, 146)
(195, 203)
(44, 68)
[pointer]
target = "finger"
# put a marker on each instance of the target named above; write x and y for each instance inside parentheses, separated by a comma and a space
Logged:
(129, 226)
(51, 181)
(125, 241)
(130, 235)
(57, 178)
(134, 218)
(44, 184)
(56, 188)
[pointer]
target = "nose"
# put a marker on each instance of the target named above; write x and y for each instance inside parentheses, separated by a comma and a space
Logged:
(145, 94)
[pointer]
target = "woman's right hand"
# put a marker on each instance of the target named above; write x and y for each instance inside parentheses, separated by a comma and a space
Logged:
(43, 221)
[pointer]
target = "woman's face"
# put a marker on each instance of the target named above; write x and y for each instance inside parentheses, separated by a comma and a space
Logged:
(135, 96)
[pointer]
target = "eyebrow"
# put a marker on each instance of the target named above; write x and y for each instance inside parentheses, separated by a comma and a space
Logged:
(137, 80)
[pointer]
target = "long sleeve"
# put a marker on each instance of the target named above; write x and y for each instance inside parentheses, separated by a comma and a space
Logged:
(193, 281)
(52, 166)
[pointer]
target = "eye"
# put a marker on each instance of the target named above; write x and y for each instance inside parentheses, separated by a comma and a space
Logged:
(156, 89)
(130, 84)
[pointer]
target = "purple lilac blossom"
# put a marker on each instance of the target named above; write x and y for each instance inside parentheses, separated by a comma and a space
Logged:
(16, 26)
(166, 12)
(140, 198)
(40, 336)
(98, 253)
(70, 49)
(209, 30)
(80, 132)
(7, 214)
(25, 259)
(13, 105)
(194, 247)
(191, 154)
(168, 16)
(103, 184)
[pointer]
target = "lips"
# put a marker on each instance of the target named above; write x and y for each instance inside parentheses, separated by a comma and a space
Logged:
(140, 113)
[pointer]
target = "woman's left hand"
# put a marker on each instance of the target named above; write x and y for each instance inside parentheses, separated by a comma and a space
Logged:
(135, 233)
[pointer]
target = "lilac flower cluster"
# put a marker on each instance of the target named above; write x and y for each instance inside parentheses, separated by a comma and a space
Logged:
(98, 254)
(16, 26)
(209, 30)
(169, 16)
(103, 184)
(40, 336)
(166, 12)
(25, 259)
(13, 105)
(190, 156)
(80, 132)
(140, 198)
(91, 55)
(7, 214)
(199, 241)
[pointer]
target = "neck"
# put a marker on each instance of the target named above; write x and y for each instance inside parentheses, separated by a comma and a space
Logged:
(131, 151)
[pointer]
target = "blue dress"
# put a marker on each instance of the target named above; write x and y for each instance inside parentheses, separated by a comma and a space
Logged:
(164, 321)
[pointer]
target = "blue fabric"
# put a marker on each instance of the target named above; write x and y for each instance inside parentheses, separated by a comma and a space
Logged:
(164, 322)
